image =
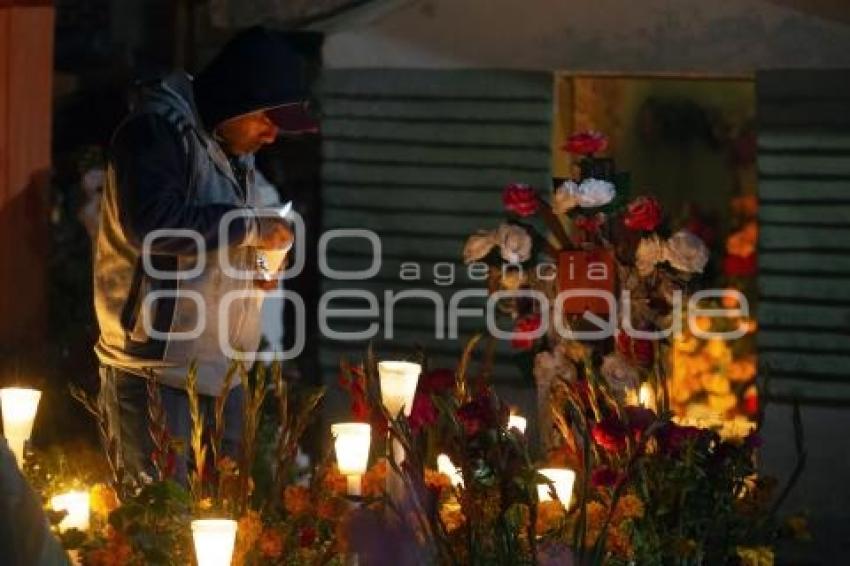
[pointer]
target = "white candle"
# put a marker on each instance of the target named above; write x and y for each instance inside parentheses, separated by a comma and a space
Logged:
(351, 445)
(76, 505)
(447, 467)
(517, 422)
(563, 479)
(214, 540)
(19, 408)
(646, 396)
(398, 385)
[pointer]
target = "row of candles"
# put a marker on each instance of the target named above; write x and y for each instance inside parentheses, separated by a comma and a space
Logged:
(214, 538)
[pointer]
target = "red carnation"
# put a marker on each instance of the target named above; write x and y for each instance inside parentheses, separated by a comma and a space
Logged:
(520, 199)
(522, 330)
(644, 213)
(740, 266)
(586, 143)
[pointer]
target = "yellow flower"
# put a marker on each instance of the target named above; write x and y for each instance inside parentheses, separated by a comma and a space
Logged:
(451, 515)
(296, 500)
(722, 403)
(549, 516)
(103, 500)
(755, 555)
(743, 369)
(629, 506)
(437, 481)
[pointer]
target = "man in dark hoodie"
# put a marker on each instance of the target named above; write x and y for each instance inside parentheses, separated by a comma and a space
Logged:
(182, 235)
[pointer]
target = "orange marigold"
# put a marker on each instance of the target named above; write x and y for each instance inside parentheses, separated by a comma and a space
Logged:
(103, 500)
(296, 500)
(375, 479)
(271, 544)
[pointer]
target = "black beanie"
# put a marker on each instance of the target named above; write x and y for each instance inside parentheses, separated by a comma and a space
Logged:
(255, 70)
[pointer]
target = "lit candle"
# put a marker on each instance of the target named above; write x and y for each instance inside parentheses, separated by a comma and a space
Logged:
(517, 422)
(19, 407)
(447, 467)
(76, 505)
(646, 397)
(351, 445)
(398, 387)
(214, 540)
(563, 480)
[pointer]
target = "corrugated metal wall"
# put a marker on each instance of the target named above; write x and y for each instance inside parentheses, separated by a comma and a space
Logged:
(804, 247)
(420, 158)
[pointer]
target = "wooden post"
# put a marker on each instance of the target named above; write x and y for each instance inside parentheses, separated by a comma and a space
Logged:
(26, 73)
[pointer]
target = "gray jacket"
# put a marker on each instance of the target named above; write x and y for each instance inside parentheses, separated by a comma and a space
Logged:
(166, 172)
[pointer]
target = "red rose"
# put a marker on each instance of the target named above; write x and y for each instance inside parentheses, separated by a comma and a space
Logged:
(740, 266)
(520, 199)
(523, 327)
(586, 143)
(642, 352)
(644, 213)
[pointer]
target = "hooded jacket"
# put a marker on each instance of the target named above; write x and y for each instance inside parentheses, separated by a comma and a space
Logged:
(160, 310)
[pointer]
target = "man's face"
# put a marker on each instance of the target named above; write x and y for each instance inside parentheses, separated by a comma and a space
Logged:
(247, 133)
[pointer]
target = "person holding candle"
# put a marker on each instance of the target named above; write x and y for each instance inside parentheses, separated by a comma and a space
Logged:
(179, 203)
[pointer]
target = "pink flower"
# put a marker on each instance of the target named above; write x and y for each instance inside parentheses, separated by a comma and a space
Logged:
(586, 143)
(520, 199)
(524, 327)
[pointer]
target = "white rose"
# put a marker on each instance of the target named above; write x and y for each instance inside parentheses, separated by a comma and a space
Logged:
(619, 374)
(565, 198)
(479, 245)
(650, 251)
(686, 252)
(595, 192)
(515, 243)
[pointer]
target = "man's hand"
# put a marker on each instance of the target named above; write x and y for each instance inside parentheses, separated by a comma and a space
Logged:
(274, 234)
